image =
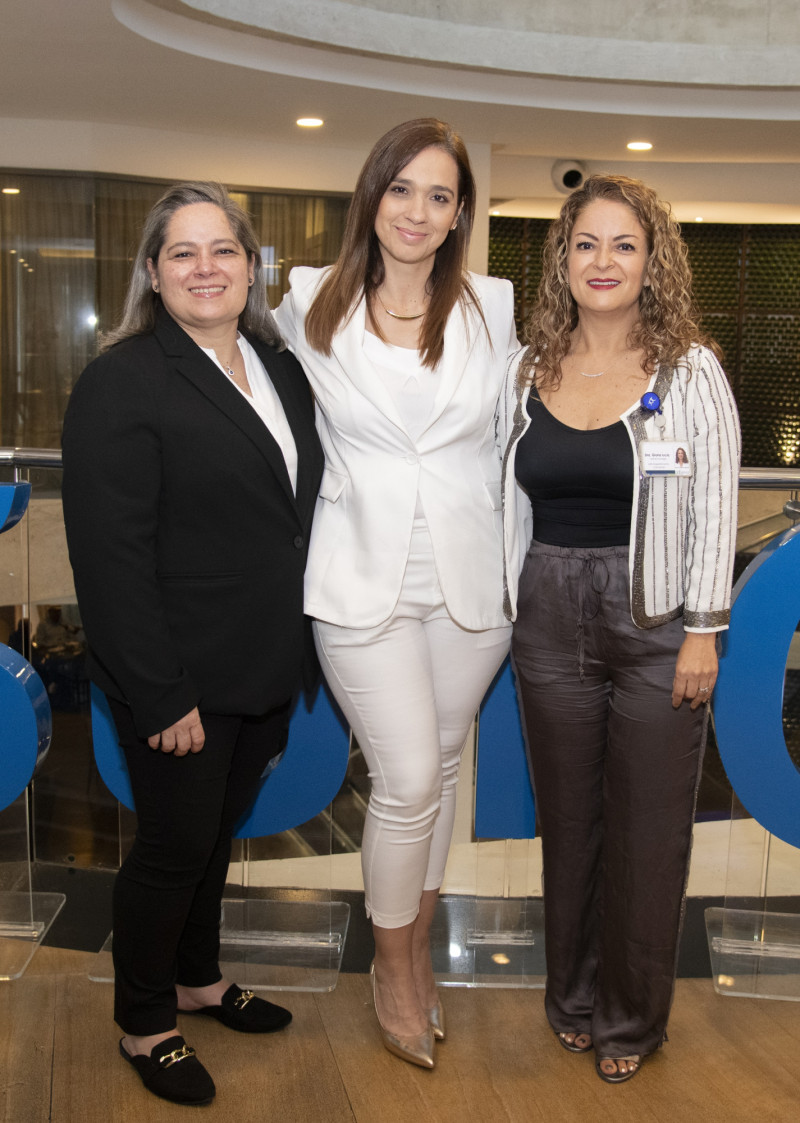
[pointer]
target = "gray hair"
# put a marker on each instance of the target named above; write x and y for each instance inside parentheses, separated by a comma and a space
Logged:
(142, 304)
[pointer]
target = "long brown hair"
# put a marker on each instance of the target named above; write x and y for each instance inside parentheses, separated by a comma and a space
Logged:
(359, 269)
(142, 304)
(668, 323)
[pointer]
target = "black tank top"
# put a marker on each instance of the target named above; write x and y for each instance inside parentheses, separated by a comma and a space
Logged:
(580, 482)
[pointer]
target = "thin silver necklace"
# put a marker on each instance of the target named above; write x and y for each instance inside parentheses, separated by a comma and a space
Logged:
(231, 372)
(600, 373)
(396, 315)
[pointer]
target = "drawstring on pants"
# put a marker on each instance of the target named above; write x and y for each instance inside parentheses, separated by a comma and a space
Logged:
(593, 571)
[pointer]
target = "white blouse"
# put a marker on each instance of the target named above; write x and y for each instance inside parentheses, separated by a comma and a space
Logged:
(411, 386)
(265, 402)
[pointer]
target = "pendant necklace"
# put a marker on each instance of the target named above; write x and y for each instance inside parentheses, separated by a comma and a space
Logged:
(228, 367)
(396, 315)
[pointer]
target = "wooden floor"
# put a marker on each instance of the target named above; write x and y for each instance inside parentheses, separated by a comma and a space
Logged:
(728, 1059)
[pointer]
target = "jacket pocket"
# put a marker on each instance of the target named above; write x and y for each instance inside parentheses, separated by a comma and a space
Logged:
(332, 486)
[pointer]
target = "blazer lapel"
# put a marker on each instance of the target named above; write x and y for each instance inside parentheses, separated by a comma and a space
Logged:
(203, 373)
(460, 334)
(290, 384)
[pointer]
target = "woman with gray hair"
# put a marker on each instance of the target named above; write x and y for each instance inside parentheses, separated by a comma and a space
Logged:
(191, 468)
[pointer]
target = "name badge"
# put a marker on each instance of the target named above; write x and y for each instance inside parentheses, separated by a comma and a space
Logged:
(664, 458)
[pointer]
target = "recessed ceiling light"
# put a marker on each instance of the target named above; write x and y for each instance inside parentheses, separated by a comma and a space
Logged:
(494, 212)
(310, 122)
(11, 191)
(699, 218)
(640, 146)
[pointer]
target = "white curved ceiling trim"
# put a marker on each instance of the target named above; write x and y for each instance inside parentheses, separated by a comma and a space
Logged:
(480, 45)
(259, 52)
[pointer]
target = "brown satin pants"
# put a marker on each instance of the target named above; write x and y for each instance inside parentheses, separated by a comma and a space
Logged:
(615, 772)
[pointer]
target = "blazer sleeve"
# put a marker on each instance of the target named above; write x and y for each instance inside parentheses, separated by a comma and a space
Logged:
(512, 344)
(713, 499)
(290, 315)
(286, 316)
(111, 486)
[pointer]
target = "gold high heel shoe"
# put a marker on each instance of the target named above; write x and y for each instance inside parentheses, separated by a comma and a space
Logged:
(415, 1048)
(436, 1018)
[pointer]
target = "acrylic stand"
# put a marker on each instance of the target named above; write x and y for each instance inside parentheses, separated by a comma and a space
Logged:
(25, 916)
(754, 941)
(271, 945)
(493, 934)
(26, 724)
(491, 941)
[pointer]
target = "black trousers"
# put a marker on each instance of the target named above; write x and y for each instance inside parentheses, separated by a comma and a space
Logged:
(615, 771)
(168, 892)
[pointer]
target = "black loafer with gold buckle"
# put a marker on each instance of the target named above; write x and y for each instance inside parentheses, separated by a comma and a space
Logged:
(173, 1072)
(243, 1011)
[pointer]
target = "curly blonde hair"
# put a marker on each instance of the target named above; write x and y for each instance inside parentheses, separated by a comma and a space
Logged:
(668, 323)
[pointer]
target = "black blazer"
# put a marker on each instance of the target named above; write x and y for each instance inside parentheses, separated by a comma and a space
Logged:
(187, 544)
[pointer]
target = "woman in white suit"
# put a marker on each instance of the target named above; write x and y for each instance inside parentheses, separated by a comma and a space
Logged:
(406, 354)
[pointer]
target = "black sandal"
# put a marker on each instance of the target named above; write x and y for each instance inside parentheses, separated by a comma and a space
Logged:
(173, 1072)
(619, 1077)
(571, 1047)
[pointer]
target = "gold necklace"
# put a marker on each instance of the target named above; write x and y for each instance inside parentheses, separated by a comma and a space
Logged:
(396, 315)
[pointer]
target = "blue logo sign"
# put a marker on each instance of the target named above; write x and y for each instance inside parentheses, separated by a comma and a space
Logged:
(24, 706)
(296, 786)
(748, 700)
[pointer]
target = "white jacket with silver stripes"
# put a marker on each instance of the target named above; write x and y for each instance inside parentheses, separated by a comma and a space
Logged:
(683, 529)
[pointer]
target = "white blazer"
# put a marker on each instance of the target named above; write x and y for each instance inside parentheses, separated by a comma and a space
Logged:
(374, 470)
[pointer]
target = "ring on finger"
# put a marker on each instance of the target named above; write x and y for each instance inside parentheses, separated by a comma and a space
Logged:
(704, 689)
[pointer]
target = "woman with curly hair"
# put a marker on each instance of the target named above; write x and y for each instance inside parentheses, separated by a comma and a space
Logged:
(625, 582)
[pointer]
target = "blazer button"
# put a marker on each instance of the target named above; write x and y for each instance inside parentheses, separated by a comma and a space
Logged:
(299, 541)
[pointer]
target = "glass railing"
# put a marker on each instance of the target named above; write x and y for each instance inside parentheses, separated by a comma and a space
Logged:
(68, 820)
(75, 820)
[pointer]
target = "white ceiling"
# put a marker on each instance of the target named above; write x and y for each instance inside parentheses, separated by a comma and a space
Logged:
(725, 153)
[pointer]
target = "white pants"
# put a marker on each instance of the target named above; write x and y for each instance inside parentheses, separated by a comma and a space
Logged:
(410, 688)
